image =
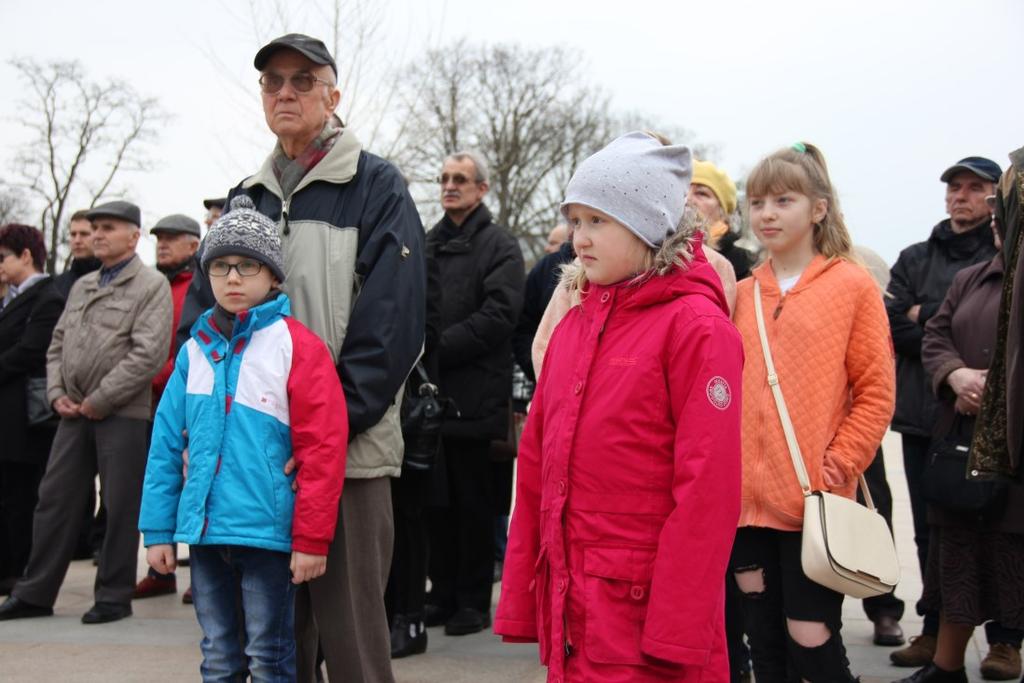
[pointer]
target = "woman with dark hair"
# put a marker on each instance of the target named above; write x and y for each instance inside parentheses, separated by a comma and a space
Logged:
(28, 314)
(973, 569)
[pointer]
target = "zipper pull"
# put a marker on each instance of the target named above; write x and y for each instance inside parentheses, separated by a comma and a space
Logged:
(284, 216)
(778, 309)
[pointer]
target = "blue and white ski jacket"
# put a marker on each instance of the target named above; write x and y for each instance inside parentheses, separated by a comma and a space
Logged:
(248, 404)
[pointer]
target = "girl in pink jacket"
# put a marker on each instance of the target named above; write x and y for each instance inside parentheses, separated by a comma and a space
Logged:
(628, 481)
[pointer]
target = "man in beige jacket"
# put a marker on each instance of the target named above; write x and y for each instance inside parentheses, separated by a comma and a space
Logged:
(108, 345)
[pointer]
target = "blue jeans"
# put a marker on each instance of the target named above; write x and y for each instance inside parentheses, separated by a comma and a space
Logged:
(244, 600)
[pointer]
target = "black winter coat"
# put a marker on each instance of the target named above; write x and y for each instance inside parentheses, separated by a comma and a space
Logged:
(79, 267)
(922, 275)
(26, 325)
(540, 285)
(740, 258)
(387, 315)
(482, 277)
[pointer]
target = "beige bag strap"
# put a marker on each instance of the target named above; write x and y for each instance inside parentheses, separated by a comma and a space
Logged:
(780, 403)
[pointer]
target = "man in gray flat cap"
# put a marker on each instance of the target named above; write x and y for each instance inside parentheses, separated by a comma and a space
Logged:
(353, 253)
(177, 239)
(108, 345)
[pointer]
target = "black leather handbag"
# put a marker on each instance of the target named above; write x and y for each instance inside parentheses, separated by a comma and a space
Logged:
(946, 484)
(423, 412)
(37, 406)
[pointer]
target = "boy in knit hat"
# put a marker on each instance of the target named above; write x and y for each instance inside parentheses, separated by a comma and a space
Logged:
(252, 388)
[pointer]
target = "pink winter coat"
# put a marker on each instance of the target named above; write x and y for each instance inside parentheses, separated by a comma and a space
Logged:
(629, 487)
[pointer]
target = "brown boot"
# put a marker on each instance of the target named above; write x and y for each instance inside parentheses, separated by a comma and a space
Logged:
(918, 653)
(1002, 663)
(152, 586)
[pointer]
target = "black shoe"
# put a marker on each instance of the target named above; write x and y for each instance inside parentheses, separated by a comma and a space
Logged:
(13, 608)
(82, 552)
(888, 632)
(466, 621)
(7, 585)
(105, 612)
(933, 674)
(408, 636)
(435, 615)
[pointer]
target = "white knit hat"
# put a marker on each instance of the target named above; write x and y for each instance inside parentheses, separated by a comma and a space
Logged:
(637, 181)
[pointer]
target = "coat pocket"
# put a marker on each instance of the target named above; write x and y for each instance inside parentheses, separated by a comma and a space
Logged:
(114, 313)
(617, 584)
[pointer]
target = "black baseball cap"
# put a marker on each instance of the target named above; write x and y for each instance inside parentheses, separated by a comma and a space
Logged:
(312, 49)
(219, 202)
(979, 166)
(125, 211)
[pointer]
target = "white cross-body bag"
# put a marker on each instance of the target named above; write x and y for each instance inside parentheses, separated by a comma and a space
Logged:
(846, 546)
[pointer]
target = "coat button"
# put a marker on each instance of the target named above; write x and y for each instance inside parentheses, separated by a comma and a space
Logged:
(578, 388)
(561, 487)
(637, 592)
(605, 297)
(561, 585)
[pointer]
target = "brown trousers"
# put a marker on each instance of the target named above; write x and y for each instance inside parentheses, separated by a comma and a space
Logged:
(343, 610)
(116, 448)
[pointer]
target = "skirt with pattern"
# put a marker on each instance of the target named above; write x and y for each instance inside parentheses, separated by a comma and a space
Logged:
(973, 576)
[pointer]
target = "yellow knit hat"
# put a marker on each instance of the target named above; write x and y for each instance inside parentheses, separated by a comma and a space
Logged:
(706, 173)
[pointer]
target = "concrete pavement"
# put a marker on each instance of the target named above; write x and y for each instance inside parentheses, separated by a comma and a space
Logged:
(160, 643)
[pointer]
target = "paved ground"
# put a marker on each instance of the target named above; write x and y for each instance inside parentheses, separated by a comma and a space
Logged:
(160, 643)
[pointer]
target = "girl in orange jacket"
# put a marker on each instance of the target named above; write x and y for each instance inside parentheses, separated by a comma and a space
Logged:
(829, 337)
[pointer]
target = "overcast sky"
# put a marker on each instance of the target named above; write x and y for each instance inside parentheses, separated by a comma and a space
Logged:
(892, 91)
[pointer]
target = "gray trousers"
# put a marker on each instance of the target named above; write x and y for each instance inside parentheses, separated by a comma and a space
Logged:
(116, 448)
(343, 610)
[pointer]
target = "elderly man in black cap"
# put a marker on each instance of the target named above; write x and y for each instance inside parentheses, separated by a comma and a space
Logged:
(920, 279)
(177, 239)
(353, 251)
(108, 345)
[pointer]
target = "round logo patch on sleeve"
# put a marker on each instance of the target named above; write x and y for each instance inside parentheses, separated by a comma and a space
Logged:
(719, 393)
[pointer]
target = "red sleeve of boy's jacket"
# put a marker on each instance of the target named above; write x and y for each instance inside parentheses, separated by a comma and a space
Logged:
(319, 426)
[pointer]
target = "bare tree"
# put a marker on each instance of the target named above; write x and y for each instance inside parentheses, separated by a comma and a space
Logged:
(530, 112)
(354, 32)
(13, 205)
(524, 110)
(84, 135)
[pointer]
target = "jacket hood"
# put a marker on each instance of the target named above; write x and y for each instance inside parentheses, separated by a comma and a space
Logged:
(695, 278)
(770, 285)
(961, 245)
(337, 167)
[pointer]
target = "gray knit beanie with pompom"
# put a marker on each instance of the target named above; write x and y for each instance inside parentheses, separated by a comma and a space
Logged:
(244, 231)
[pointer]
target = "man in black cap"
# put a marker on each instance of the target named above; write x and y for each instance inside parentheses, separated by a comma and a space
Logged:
(107, 346)
(177, 239)
(920, 279)
(214, 208)
(354, 261)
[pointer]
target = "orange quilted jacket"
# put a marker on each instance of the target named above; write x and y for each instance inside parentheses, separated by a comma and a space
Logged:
(830, 340)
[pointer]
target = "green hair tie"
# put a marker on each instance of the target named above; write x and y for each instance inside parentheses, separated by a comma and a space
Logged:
(799, 147)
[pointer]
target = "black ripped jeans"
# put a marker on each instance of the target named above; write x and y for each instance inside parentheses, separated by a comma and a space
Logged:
(788, 594)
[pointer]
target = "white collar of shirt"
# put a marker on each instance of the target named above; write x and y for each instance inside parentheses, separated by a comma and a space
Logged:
(14, 290)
